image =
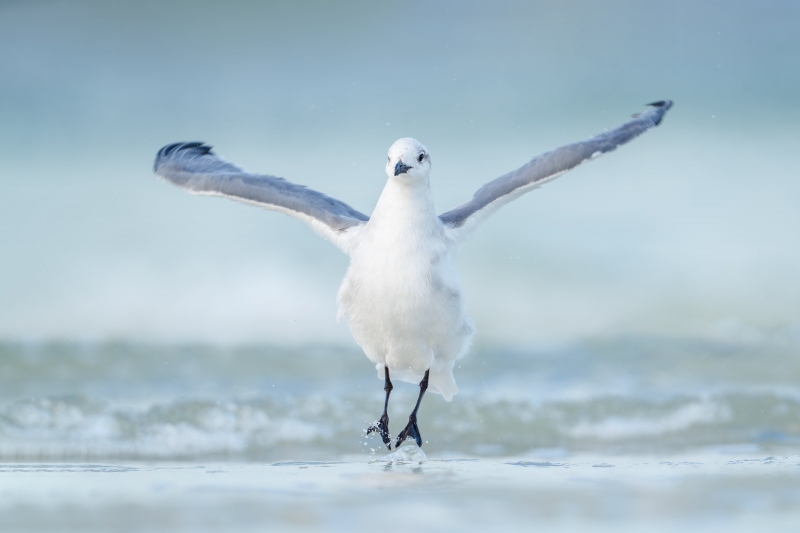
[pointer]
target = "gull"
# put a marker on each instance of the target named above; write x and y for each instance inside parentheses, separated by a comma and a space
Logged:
(401, 296)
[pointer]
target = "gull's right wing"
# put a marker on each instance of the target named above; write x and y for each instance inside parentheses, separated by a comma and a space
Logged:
(193, 166)
(459, 222)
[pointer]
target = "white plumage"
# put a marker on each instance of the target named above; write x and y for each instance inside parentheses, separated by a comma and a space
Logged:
(401, 296)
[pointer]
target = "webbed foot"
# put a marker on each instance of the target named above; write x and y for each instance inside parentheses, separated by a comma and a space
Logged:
(411, 430)
(382, 427)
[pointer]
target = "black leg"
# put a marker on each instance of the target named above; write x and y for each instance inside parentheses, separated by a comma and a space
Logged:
(411, 429)
(382, 426)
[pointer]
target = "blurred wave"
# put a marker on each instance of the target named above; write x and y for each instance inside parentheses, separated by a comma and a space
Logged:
(314, 426)
(626, 396)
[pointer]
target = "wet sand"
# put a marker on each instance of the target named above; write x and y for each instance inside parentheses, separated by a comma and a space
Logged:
(700, 492)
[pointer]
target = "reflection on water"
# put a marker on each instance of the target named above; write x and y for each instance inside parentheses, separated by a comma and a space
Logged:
(708, 493)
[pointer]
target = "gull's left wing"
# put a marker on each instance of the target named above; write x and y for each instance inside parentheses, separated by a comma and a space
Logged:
(459, 222)
(196, 168)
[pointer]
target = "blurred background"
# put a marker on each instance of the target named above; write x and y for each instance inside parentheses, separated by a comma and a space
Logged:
(657, 284)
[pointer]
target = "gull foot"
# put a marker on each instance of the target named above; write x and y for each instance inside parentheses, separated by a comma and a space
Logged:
(382, 427)
(411, 430)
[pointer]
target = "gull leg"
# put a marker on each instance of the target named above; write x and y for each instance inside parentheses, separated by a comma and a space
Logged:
(382, 426)
(411, 429)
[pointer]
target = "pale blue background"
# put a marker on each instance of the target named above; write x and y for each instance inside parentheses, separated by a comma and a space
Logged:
(691, 230)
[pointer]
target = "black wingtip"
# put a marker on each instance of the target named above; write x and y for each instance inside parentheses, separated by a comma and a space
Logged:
(171, 150)
(198, 147)
(662, 107)
(666, 104)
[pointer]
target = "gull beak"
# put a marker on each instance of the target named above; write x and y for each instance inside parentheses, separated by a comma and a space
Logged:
(400, 168)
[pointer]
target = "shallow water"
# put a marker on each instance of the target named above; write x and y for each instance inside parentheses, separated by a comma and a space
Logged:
(686, 493)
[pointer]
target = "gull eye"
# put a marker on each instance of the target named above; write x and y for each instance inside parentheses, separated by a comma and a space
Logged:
(421, 157)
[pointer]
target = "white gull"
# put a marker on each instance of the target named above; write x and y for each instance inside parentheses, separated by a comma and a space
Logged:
(401, 296)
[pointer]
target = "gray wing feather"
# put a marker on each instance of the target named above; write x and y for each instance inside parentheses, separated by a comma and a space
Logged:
(551, 165)
(195, 167)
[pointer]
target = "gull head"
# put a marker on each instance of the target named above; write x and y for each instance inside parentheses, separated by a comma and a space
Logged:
(408, 160)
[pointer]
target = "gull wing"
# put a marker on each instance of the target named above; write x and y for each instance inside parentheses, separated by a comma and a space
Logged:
(193, 166)
(460, 221)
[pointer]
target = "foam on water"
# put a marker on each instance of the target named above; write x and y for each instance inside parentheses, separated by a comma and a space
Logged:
(75, 401)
